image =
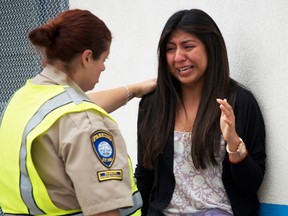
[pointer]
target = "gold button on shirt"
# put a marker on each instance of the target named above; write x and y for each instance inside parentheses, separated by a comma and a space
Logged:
(68, 165)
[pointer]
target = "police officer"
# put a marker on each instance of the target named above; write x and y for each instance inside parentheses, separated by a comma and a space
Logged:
(60, 153)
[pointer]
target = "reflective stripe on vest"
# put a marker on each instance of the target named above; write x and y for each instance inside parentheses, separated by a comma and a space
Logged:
(32, 127)
(135, 210)
(137, 204)
(62, 99)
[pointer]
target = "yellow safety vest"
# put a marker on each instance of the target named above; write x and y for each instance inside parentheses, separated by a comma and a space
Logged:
(135, 210)
(22, 190)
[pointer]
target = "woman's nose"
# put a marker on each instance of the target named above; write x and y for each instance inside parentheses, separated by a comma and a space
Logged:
(179, 55)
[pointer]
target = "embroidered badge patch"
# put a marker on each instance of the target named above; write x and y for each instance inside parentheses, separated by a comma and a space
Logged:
(103, 145)
(110, 175)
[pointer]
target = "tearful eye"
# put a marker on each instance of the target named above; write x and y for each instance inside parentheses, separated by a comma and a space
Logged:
(189, 46)
(169, 49)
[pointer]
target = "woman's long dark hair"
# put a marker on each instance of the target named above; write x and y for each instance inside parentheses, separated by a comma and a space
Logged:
(157, 111)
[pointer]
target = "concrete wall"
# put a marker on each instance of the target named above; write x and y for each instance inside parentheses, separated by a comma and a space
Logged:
(256, 34)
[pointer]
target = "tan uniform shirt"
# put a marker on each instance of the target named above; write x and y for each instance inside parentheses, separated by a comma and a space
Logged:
(67, 162)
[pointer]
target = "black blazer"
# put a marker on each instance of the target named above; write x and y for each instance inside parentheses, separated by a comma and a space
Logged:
(241, 180)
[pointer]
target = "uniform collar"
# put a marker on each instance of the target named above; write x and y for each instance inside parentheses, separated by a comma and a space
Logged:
(51, 75)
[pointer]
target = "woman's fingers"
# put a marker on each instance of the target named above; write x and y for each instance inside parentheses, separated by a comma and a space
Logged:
(227, 114)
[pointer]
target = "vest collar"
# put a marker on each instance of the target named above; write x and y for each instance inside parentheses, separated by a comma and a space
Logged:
(52, 76)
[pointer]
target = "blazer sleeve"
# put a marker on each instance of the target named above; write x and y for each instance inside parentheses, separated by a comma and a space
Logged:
(247, 176)
(144, 176)
(144, 183)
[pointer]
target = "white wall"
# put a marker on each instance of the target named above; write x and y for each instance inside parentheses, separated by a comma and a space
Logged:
(256, 34)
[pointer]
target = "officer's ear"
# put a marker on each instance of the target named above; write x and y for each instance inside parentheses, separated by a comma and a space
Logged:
(86, 57)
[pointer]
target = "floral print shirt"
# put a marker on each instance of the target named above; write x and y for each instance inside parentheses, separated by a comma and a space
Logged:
(196, 190)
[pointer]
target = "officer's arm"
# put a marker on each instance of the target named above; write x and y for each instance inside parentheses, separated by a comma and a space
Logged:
(112, 99)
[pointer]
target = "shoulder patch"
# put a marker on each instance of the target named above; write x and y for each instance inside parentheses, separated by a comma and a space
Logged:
(103, 146)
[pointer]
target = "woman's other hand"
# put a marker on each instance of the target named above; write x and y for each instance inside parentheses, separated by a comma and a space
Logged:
(227, 124)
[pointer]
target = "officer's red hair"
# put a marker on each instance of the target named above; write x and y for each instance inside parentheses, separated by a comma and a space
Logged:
(70, 33)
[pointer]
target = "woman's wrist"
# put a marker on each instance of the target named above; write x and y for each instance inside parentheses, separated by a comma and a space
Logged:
(139, 89)
(234, 143)
(127, 94)
(239, 154)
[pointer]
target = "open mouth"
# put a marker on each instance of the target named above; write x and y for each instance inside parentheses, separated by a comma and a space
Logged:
(184, 69)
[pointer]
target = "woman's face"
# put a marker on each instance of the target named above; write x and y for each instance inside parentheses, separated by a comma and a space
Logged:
(186, 57)
(94, 70)
(99, 65)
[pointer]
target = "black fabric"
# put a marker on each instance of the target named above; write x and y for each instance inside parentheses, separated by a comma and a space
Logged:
(241, 180)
